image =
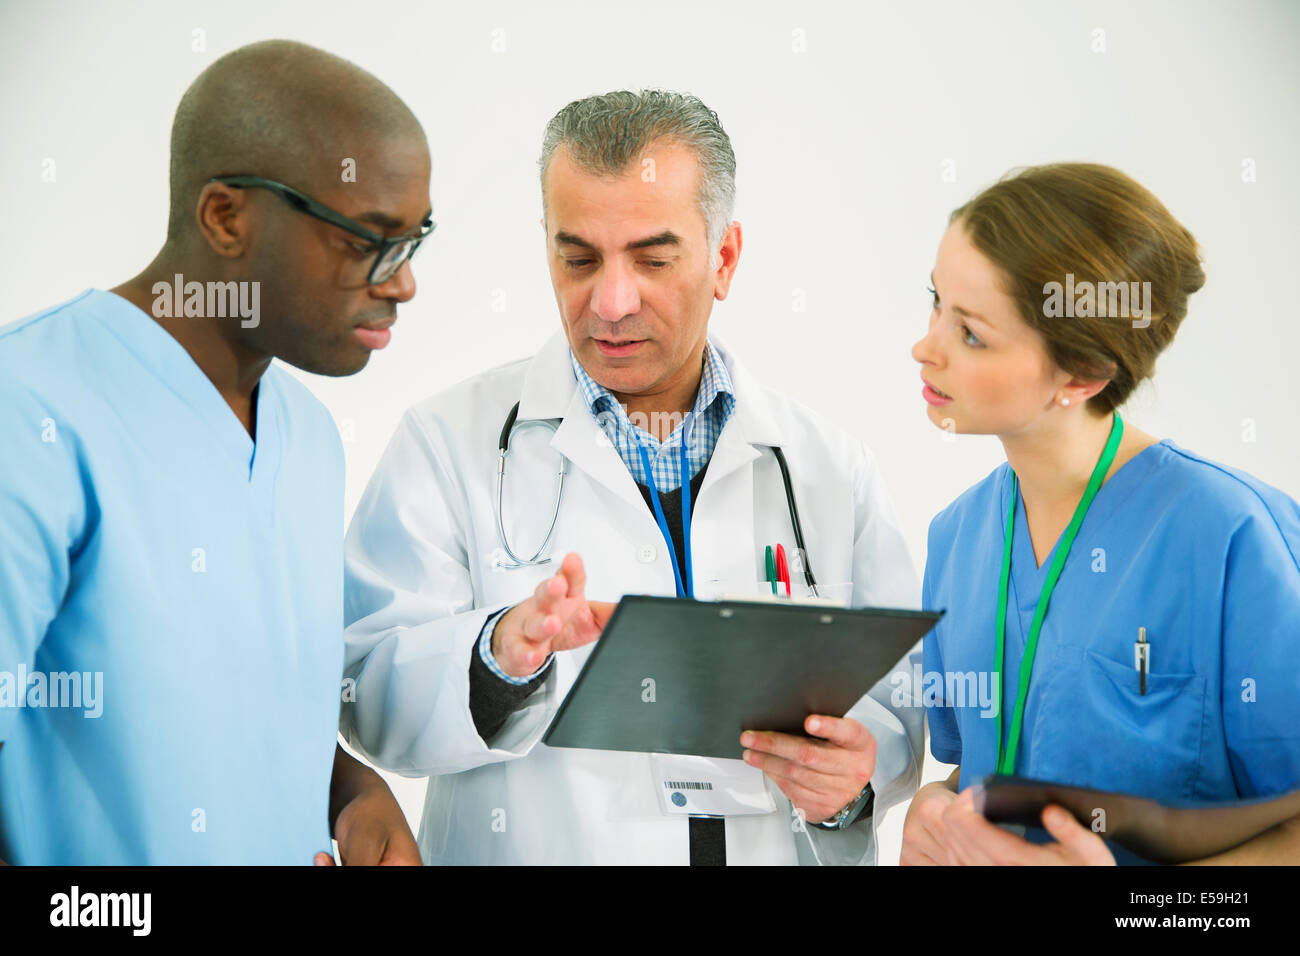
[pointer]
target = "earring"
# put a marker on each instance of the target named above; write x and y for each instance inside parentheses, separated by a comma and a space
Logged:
(1065, 401)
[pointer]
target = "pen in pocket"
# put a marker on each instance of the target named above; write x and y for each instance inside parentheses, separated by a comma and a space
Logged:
(1142, 659)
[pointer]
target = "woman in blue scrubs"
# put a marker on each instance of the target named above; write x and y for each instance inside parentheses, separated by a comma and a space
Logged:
(1095, 546)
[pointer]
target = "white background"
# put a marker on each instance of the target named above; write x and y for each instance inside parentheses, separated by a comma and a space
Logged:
(840, 149)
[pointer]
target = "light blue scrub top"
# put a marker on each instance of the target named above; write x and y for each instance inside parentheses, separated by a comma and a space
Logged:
(144, 537)
(1201, 555)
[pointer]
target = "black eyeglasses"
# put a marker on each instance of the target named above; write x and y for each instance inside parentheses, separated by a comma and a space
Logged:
(392, 252)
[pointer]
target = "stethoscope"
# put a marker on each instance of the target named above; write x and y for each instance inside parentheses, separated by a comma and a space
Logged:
(540, 557)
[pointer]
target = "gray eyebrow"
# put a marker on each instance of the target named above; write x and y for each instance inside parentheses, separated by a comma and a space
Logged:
(665, 238)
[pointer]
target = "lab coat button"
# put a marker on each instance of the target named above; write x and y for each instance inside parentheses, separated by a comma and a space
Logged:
(646, 553)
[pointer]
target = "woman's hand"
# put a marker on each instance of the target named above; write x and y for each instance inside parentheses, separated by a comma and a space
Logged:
(974, 841)
(924, 834)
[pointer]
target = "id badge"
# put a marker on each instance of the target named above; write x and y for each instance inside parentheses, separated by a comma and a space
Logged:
(709, 786)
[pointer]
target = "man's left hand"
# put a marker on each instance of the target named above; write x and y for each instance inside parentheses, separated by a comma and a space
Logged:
(372, 831)
(820, 777)
(368, 824)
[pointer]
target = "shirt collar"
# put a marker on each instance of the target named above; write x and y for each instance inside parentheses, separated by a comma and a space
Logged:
(715, 382)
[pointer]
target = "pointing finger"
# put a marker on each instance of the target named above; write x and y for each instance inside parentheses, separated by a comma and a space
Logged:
(575, 572)
(549, 594)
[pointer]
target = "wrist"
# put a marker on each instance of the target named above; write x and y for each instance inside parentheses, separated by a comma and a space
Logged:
(498, 646)
(351, 779)
(937, 793)
(497, 630)
(938, 788)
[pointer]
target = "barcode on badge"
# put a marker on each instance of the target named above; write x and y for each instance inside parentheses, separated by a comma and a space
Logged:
(687, 785)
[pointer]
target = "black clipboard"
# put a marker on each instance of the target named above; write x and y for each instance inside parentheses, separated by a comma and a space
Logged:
(679, 676)
(1155, 831)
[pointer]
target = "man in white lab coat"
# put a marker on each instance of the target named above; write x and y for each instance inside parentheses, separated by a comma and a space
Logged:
(461, 661)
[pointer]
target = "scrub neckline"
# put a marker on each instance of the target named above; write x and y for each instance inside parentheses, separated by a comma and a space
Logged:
(169, 361)
(1112, 493)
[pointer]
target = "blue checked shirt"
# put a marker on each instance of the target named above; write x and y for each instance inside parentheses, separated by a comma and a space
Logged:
(699, 429)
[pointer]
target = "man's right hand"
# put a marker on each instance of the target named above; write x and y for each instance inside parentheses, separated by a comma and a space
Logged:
(558, 617)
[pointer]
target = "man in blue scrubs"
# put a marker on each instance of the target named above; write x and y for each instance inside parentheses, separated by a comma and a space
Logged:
(171, 501)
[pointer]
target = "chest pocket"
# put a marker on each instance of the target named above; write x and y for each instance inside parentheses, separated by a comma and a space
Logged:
(1095, 729)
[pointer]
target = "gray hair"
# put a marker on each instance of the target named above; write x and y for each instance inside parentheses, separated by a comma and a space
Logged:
(607, 133)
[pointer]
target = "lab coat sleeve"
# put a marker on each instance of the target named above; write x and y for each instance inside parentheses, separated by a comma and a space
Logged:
(44, 511)
(412, 623)
(883, 576)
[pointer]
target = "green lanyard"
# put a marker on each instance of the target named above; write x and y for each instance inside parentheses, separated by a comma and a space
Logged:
(1007, 757)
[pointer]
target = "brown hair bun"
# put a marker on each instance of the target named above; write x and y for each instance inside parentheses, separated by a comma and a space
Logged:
(1095, 263)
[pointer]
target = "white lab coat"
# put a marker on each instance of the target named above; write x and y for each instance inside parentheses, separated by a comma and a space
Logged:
(421, 580)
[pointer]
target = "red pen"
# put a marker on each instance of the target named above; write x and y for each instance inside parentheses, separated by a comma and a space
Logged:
(782, 569)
